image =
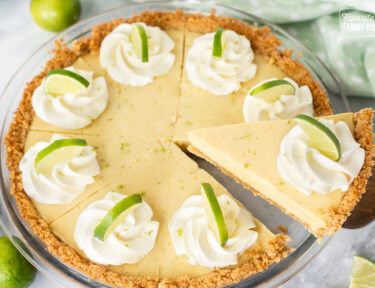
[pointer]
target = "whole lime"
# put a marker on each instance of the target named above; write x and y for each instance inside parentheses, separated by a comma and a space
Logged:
(15, 270)
(55, 15)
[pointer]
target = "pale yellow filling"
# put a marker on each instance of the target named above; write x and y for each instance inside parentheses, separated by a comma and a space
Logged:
(167, 179)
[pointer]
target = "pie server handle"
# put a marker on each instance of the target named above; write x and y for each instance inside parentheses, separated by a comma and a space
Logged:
(364, 212)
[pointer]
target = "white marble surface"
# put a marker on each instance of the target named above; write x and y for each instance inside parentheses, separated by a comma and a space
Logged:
(20, 36)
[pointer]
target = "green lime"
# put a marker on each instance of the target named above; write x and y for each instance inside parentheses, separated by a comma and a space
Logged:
(320, 136)
(214, 213)
(61, 82)
(272, 90)
(57, 152)
(140, 41)
(15, 270)
(117, 215)
(55, 15)
(363, 273)
(217, 48)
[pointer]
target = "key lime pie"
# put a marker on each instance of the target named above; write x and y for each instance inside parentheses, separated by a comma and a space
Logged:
(95, 149)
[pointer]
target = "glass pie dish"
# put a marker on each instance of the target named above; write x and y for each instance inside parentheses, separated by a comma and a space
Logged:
(304, 243)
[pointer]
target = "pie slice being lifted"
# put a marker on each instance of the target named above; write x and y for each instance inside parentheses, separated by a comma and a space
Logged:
(269, 158)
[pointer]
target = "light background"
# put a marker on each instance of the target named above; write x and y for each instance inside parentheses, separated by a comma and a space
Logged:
(20, 36)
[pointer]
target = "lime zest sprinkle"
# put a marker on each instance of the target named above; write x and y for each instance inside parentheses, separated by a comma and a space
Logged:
(245, 137)
(180, 232)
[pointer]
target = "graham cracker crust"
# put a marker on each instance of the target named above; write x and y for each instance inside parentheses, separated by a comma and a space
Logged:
(336, 217)
(263, 42)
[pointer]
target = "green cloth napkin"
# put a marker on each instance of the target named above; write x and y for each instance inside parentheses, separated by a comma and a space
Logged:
(317, 24)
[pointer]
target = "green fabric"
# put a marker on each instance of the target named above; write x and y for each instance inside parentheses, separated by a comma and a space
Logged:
(316, 23)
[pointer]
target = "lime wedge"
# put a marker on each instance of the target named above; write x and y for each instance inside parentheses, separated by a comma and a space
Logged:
(61, 82)
(117, 215)
(217, 49)
(214, 214)
(363, 273)
(272, 90)
(320, 136)
(57, 152)
(140, 41)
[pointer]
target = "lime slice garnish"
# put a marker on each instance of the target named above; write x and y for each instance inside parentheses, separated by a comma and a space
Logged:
(272, 90)
(57, 152)
(214, 214)
(117, 215)
(140, 41)
(218, 47)
(320, 136)
(61, 82)
(363, 273)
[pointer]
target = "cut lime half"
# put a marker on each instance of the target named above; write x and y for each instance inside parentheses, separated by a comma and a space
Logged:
(140, 41)
(61, 82)
(218, 46)
(214, 213)
(320, 136)
(363, 273)
(117, 215)
(272, 90)
(58, 152)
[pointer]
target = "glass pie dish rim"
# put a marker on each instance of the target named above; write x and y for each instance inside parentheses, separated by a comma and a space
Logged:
(58, 270)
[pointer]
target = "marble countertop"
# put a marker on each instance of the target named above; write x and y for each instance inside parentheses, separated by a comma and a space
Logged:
(20, 36)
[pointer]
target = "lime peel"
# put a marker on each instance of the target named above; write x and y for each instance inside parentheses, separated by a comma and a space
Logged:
(214, 213)
(320, 136)
(217, 49)
(116, 215)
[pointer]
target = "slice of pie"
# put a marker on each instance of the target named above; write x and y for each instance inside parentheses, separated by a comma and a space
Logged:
(271, 159)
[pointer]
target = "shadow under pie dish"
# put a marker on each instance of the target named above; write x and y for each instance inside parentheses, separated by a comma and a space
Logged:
(138, 150)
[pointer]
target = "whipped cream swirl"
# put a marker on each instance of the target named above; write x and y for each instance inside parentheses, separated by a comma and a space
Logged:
(310, 171)
(117, 56)
(65, 181)
(287, 107)
(72, 111)
(128, 243)
(222, 75)
(192, 236)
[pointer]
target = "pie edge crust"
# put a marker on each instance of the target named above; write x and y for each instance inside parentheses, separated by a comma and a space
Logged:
(336, 217)
(263, 42)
